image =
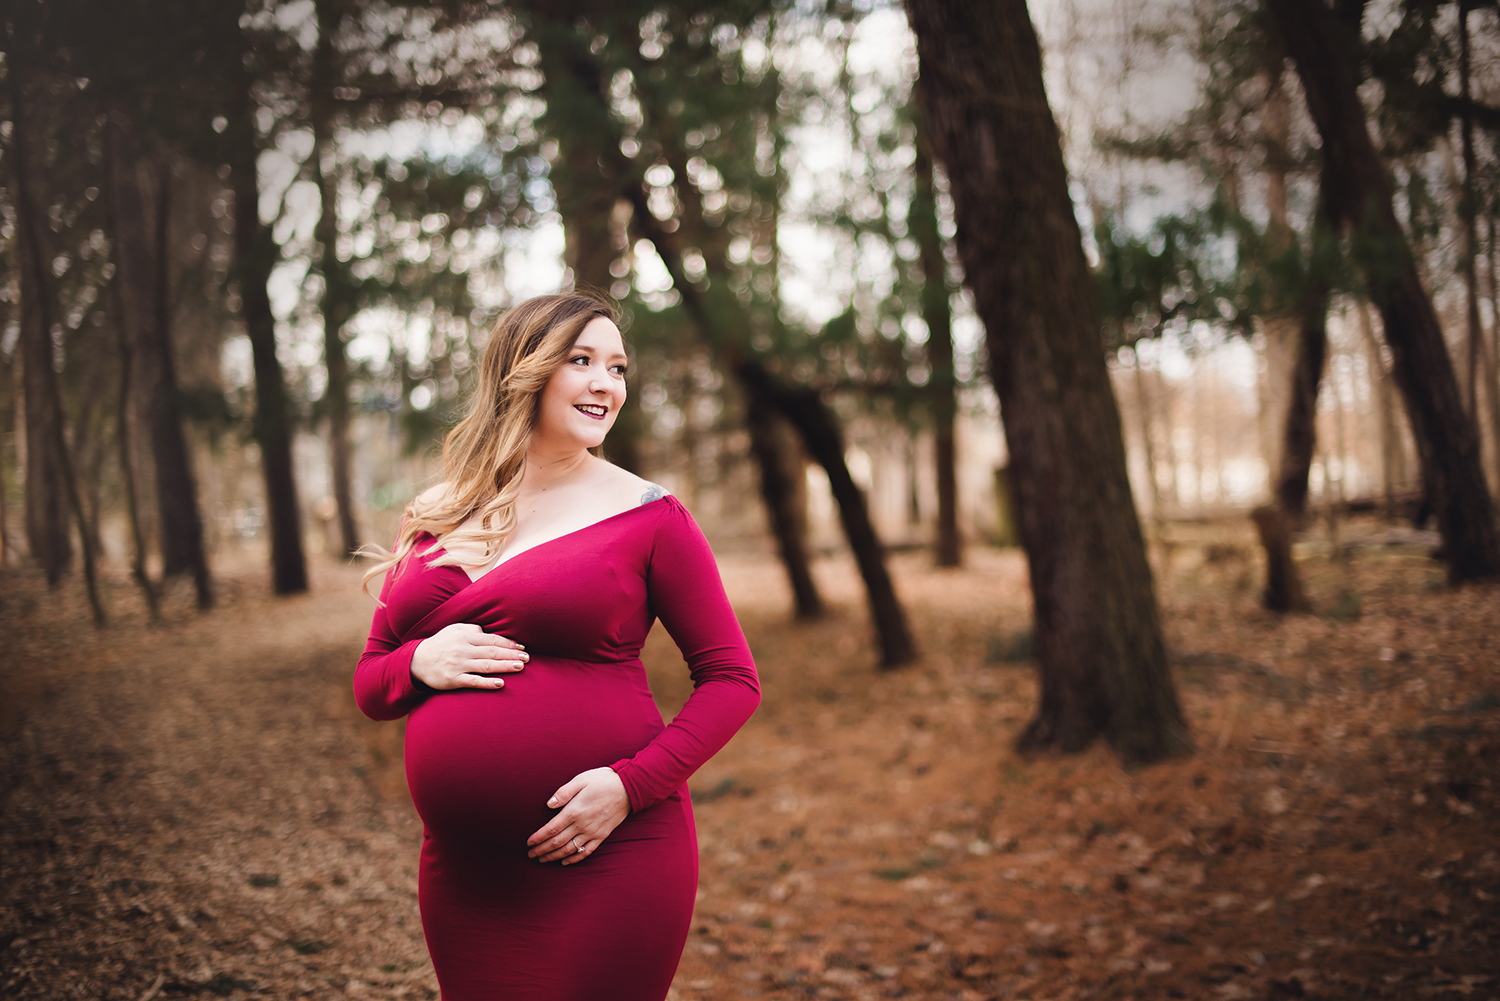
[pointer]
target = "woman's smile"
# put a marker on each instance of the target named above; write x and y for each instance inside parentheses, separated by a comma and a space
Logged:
(594, 410)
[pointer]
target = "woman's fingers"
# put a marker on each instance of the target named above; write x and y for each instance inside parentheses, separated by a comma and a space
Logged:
(477, 681)
(556, 845)
(567, 791)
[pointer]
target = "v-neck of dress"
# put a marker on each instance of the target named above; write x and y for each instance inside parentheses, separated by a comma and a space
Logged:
(547, 542)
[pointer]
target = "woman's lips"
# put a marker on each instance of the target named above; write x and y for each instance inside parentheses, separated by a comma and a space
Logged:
(598, 413)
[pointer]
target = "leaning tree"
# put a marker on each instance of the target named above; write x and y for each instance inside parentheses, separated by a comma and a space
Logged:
(1098, 632)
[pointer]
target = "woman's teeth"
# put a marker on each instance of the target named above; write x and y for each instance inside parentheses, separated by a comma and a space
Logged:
(592, 411)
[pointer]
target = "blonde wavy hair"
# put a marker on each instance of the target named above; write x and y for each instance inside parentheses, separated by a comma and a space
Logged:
(484, 455)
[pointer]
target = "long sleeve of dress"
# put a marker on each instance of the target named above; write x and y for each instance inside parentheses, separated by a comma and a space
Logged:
(688, 597)
(383, 685)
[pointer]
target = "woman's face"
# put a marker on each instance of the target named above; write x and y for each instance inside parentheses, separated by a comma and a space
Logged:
(581, 400)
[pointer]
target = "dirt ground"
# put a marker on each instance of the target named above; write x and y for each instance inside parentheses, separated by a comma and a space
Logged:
(199, 809)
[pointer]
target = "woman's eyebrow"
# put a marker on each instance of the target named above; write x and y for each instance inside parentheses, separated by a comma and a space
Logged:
(618, 355)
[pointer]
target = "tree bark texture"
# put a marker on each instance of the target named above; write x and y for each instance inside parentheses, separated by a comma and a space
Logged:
(45, 494)
(942, 385)
(783, 489)
(255, 257)
(339, 289)
(1098, 633)
(1447, 437)
(141, 265)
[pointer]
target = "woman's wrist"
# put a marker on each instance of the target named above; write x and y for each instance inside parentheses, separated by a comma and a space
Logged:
(416, 679)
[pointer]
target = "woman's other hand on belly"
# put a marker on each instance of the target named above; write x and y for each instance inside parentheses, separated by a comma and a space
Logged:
(593, 803)
(460, 655)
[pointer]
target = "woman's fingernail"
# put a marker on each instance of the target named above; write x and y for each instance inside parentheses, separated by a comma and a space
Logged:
(552, 802)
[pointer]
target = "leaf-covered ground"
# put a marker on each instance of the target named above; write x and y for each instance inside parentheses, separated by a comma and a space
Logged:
(199, 810)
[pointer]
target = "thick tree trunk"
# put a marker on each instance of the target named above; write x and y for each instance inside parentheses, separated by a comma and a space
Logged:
(1447, 437)
(338, 287)
(141, 278)
(1098, 632)
(255, 257)
(783, 489)
(937, 314)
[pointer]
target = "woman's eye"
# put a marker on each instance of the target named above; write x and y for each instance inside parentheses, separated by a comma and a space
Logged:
(580, 358)
(619, 370)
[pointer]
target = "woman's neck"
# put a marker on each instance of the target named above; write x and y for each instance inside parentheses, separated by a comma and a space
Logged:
(545, 469)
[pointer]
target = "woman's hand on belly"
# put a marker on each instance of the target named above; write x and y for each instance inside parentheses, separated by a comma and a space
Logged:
(593, 804)
(460, 655)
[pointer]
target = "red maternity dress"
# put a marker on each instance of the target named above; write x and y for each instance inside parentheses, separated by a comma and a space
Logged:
(482, 764)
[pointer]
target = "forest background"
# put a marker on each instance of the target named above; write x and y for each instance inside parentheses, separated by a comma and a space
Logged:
(1137, 375)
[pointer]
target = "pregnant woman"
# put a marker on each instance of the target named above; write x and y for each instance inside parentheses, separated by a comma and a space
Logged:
(559, 860)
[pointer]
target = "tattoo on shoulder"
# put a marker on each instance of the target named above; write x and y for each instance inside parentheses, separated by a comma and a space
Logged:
(653, 492)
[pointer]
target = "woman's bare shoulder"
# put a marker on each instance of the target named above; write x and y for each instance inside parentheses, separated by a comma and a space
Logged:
(629, 490)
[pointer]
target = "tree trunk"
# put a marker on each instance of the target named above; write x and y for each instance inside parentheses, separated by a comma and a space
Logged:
(127, 464)
(1148, 446)
(1300, 429)
(1284, 592)
(1467, 207)
(7, 427)
(937, 314)
(1277, 522)
(820, 432)
(1098, 633)
(47, 445)
(589, 139)
(1389, 441)
(255, 257)
(1447, 437)
(1492, 352)
(46, 503)
(784, 491)
(142, 280)
(339, 291)
(824, 440)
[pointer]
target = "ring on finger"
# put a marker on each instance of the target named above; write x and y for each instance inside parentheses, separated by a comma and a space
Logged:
(576, 846)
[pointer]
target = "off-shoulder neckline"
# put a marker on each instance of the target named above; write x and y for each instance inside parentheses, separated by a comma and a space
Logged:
(545, 542)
